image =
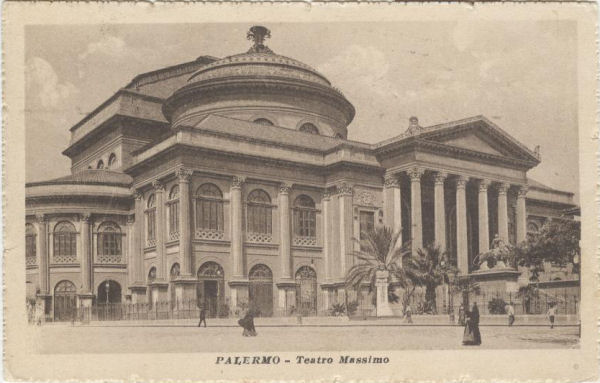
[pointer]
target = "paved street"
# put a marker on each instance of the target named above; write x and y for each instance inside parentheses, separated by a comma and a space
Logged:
(91, 339)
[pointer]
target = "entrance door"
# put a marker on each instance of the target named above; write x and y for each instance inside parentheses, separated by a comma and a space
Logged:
(306, 291)
(64, 301)
(211, 298)
(260, 290)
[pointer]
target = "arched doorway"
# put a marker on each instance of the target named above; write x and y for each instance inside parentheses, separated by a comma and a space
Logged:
(306, 291)
(260, 292)
(109, 291)
(211, 288)
(64, 301)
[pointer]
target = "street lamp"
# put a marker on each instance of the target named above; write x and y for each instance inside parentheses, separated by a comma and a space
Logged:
(576, 262)
(107, 288)
(450, 277)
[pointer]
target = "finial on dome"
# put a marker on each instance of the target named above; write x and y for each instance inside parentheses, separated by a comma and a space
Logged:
(258, 34)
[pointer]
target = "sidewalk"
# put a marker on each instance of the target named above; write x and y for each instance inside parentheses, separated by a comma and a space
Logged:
(342, 321)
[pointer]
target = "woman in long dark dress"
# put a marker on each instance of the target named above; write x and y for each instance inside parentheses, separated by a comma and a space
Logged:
(472, 336)
(247, 322)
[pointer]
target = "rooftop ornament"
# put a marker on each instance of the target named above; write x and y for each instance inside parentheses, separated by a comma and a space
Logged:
(413, 126)
(258, 34)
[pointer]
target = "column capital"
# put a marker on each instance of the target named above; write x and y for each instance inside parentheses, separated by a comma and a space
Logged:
(483, 185)
(461, 182)
(522, 191)
(138, 195)
(184, 174)
(503, 188)
(130, 219)
(237, 181)
(85, 217)
(439, 177)
(284, 188)
(158, 186)
(41, 218)
(415, 174)
(345, 189)
(391, 181)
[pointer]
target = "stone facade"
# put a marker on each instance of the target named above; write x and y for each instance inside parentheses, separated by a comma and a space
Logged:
(214, 189)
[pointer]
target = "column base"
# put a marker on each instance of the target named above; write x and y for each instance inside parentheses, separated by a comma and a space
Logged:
(84, 305)
(42, 306)
(238, 289)
(185, 292)
(287, 298)
(158, 292)
(501, 281)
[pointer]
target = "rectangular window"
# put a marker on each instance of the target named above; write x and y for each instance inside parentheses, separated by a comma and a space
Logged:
(174, 217)
(305, 223)
(30, 245)
(209, 215)
(65, 244)
(367, 222)
(151, 222)
(109, 244)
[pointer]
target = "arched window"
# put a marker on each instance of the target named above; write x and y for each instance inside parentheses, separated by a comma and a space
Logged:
(306, 291)
(173, 209)
(65, 242)
(30, 244)
(259, 218)
(100, 165)
(152, 274)
(263, 121)
(151, 221)
(64, 301)
(109, 243)
(305, 218)
(209, 212)
(307, 127)
(175, 271)
(112, 161)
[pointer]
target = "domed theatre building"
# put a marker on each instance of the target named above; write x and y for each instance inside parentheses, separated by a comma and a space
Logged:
(231, 182)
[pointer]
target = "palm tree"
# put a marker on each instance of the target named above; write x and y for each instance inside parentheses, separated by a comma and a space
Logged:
(379, 250)
(429, 269)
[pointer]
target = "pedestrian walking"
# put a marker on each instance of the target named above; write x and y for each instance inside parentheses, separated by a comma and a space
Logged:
(551, 314)
(471, 335)
(408, 314)
(202, 316)
(247, 322)
(510, 310)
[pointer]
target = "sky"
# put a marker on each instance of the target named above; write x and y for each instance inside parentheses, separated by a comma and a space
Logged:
(520, 75)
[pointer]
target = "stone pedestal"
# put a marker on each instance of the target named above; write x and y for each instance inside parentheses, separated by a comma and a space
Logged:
(85, 307)
(238, 291)
(383, 306)
(286, 290)
(185, 293)
(138, 294)
(159, 292)
(497, 280)
(42, 305)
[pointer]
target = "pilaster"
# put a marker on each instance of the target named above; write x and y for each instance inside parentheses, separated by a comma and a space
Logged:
(86, 261)
(521, 214)
(42, 245)
(345, 193)
(236, 227)
(503, 212)
(440, 210)
(484, 229)
(392, 209)
(462, 252)
(159, 189)
(415, 209)
(284, 231)
(185, 237)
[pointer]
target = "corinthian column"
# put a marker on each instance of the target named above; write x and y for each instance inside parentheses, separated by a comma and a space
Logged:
(284, 231)
(503, 212)
(185, 211)
(346, 224)
(86, 261)
(42, 237)
(159, 189)
(484, 229)
(392, 209)
(462, 252)
(521, 215)
(415, 209)
(326, 235)
(440, 210)
(236, 227)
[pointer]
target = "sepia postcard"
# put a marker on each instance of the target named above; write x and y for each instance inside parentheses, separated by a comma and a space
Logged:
(315, 192)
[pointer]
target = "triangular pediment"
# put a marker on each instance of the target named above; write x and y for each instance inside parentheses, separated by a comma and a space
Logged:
(479, 135)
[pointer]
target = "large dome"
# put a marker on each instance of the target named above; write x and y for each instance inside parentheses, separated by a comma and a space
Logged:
(263, 87)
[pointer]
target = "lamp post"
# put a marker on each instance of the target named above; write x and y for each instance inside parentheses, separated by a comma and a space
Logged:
(450, 277)
(106, 287)
(576, 261)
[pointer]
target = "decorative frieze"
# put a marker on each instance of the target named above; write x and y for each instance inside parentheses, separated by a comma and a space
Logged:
(305, 241)
(365, 198)
(259, 237)
(345, 190)
(209, 234)
(109, 259)
(391, 181)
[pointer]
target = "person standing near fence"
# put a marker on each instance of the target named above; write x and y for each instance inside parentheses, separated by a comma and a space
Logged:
(202, 316)
(510, 310)
(408, 314)
(551, 314)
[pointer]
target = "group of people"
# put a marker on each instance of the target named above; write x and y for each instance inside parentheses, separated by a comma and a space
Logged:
(247, 322)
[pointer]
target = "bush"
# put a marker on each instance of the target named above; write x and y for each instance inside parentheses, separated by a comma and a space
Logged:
(338, 309)
(497, 306)
(352, 307)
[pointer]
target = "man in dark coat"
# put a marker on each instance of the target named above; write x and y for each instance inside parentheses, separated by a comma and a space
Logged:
(475, 323)
(202, 316)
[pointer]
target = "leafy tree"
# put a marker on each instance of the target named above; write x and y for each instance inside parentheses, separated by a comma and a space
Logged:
(556, 242)
(429, 268)
(379, 250)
